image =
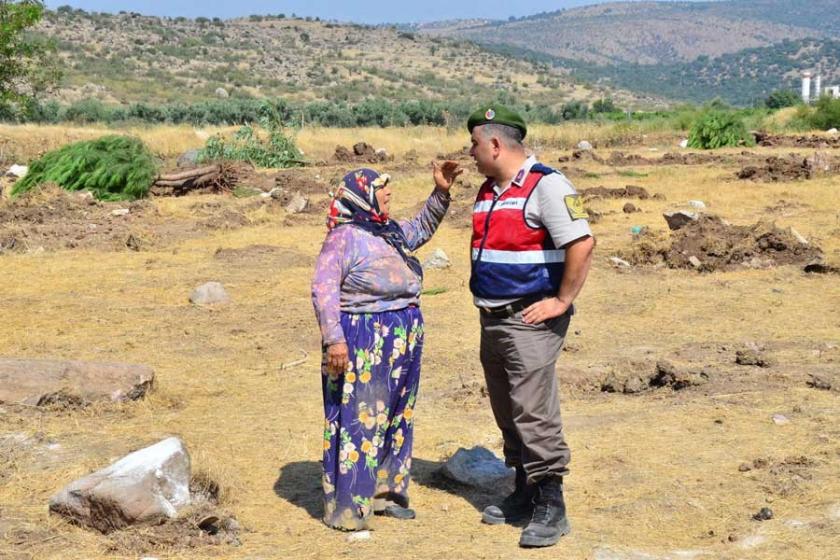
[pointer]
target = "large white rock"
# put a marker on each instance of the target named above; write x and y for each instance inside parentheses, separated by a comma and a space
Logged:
(478, 467)
(209, 293)
(584, 145)
(145, 486)
(437, 259)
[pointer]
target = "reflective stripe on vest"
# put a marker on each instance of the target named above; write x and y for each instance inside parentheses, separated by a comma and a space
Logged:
(511, 259)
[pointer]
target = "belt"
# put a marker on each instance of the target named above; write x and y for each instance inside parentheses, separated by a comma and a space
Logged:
(510, 309)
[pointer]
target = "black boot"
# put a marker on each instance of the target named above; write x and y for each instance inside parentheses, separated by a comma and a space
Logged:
(515, 507)
(548, 522)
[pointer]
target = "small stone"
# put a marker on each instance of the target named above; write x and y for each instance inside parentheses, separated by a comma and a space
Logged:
(222, 93)
(817, 382)
(697, 204)
(679, 219)
(752, 541)
(753, 357)
(634, 385)
(744, 467)
(133, 242)
(780, 419)
(276, 193)
(619, 263)
(231, 525)
(694, 261)
(18, 171)
(832, 131)
(209, 293)
(629, 208)
(358, 536)
(478, 467)
(584, 145)
(684, 143)
(120, 212)
(188, 158)
(763, 514)
(297, 204)
(437, 260)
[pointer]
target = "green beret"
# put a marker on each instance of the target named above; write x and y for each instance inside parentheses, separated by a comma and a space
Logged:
(496, 114)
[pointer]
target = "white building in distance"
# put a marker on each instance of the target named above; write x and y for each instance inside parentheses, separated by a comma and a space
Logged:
(818, 91)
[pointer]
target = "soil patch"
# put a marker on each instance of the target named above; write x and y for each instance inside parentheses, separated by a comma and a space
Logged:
(462, 154)
(620, 159)
(263, 255)
(710, 244)
(802, 141)
(630, 191)
(304, 181)
(50, 218)
(362, 152)
(792, 167)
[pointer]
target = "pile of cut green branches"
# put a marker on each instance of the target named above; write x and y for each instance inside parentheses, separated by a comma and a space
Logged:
(272, 149)
(111, 167)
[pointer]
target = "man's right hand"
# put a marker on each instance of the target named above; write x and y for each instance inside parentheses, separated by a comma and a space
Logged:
(337, 358)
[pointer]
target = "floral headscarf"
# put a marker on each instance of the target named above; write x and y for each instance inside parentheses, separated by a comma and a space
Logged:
(354, 202)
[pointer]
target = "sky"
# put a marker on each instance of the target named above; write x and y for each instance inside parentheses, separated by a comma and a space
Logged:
(372, 12)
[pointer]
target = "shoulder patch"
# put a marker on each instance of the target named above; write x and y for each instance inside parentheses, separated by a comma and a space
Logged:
(574, 204)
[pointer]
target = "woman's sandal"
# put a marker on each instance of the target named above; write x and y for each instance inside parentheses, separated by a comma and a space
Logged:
(397, 512)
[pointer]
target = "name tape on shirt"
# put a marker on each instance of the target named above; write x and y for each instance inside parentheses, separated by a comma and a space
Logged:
(574, 204)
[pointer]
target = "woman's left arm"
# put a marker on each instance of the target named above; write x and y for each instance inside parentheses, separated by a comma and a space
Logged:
(421, 228)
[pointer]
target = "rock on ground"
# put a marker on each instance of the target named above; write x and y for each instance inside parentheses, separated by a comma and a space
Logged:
(679, 219)
(145, 486)
(44, 382)
(437, 259)
(209, 293)
(297, 204)
(478, 467)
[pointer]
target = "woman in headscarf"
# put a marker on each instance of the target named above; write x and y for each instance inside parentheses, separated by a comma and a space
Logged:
(366, 294)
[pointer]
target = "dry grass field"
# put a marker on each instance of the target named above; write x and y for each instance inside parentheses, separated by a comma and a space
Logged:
(659, 474)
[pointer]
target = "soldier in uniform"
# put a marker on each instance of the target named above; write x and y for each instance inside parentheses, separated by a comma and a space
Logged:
(531, 252)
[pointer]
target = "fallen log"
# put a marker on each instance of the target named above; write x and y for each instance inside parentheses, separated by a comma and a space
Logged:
(218, 177)
(189, 173)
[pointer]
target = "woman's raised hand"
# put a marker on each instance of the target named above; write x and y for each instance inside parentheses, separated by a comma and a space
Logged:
(445, 174)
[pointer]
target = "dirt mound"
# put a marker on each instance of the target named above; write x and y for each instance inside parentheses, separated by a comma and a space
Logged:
(463, 153)
(50, 218)
(630, 191)
(304, 181)
(620, 159)
(803, 141)
(792, 167)
(362, 152)
(710, 244)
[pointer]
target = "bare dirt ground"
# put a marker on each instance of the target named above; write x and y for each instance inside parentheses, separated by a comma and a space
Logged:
(692, 398)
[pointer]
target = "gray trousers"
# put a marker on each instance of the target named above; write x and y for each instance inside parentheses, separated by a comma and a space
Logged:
(518, 361)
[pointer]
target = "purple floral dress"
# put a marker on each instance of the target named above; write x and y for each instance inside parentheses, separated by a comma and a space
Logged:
(365, 295)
